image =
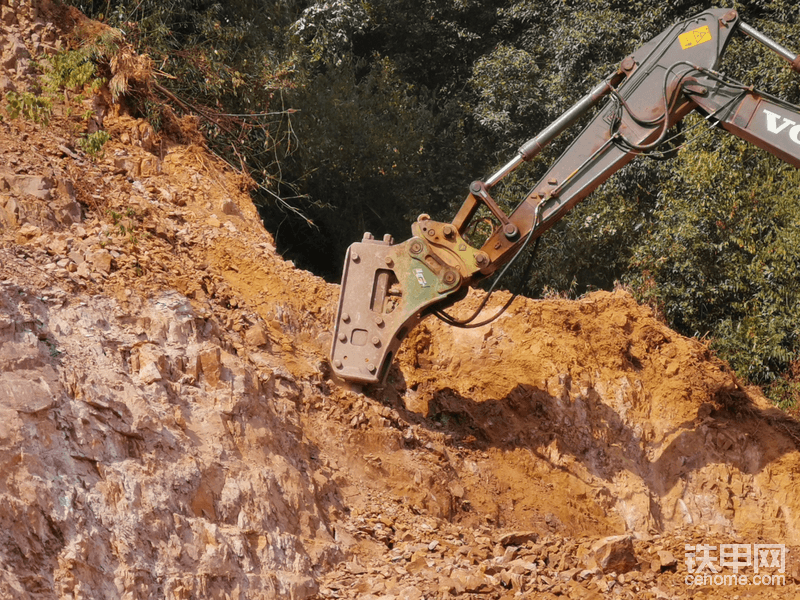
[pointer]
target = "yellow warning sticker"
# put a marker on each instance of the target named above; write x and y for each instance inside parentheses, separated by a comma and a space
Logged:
(695, 37)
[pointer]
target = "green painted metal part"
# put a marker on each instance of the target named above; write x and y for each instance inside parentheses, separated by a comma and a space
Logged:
(385, 290)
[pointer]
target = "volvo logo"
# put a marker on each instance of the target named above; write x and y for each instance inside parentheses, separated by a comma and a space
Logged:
(777, 123)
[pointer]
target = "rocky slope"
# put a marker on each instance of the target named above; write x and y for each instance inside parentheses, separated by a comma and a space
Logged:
(170, 428)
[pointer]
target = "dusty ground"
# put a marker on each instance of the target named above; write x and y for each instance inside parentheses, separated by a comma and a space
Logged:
(169, 427)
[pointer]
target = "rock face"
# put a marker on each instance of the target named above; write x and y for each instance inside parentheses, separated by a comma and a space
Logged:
(169, 427)
(126, 468)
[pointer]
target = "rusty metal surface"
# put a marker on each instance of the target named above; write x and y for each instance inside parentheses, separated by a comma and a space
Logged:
(763, 121)
(385, 289)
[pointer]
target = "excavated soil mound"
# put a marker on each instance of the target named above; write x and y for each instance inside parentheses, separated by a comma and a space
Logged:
(169, 426)
(598, 413)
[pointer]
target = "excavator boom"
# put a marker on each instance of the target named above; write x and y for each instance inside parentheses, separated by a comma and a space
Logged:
(387, 288)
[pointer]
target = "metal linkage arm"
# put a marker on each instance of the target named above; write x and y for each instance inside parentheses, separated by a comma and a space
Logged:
(767, 122)
(649, 98)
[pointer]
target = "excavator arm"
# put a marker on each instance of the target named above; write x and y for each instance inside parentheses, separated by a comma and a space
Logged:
(388, 288)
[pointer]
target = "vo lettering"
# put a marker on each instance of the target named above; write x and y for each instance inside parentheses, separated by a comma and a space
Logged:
(777, 123)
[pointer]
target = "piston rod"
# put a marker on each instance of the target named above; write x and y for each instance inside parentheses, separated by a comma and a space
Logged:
(771, 44)
(535, 145)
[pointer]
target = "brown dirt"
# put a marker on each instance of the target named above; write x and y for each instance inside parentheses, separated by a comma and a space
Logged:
(170, 427)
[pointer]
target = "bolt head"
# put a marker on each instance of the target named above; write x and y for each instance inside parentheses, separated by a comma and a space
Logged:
(376, 341)
(415, 248)
(431, 232)
(511, 231)
(371, 368)
(338, 364)
(389, 261)
(379, 321)
(346, 317)
(355, 257)
(342, 337)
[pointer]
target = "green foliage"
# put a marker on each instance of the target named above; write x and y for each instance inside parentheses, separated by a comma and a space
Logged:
(72, 70)
(128, 225)
(93, 143)
(720, 255)
(382, 133)
(53, 349)
(372, 159)
(227, 65)
(78, 70)
(432, 43)
(785, 393)
(509, 92)
(30, 106)
(326, 29)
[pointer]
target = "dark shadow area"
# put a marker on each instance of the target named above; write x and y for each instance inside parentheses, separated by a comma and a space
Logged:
(729, 429)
